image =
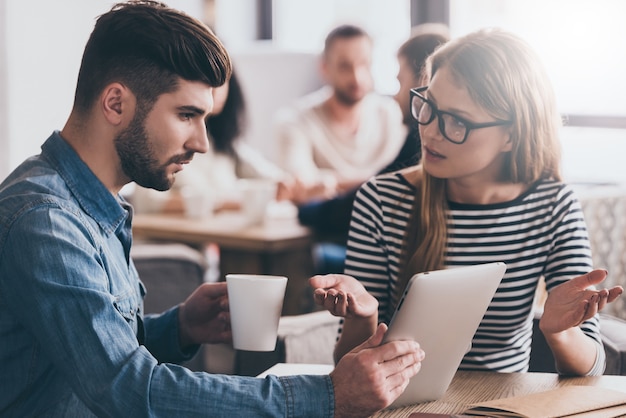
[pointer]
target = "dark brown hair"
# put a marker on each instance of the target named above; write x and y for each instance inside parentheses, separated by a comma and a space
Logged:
(419, 46)
(226, 127)
(343, 32)
(148, 47)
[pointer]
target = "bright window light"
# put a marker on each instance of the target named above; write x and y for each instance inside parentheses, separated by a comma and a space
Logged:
(581, 43)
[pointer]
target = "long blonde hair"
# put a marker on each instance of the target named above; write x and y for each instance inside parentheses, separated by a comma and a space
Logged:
(504, 76)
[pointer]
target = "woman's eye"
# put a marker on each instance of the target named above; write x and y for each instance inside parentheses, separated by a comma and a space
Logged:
(457, 124)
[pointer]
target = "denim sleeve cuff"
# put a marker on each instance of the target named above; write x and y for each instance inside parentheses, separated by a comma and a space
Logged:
(307, 396)
(162, 339)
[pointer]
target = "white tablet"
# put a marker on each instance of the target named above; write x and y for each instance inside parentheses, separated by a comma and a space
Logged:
(441, 310)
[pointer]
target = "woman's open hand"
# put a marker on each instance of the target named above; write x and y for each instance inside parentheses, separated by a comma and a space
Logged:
(575, 301)
(343, 296)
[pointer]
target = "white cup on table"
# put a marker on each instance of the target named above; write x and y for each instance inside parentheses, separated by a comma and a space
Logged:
(256, 302)
(256, 195)
(198, 205)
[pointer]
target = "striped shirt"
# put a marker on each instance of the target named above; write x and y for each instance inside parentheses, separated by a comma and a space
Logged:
(540, 233)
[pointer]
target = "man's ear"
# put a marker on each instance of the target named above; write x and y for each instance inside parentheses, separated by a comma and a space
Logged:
(322, 68)
(117, 103)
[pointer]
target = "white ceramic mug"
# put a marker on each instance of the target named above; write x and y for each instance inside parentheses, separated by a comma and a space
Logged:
(256, 302)
(256, 195)
(197, 204)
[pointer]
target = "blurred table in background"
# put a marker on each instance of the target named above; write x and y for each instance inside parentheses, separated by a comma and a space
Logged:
(278, 246)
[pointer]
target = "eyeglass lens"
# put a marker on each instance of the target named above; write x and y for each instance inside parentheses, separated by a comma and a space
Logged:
(452, 128)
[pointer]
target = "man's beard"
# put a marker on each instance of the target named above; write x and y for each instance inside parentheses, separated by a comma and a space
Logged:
(138, 160)
(347, 99)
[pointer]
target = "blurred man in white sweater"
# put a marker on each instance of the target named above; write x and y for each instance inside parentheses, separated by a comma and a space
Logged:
(334, 139)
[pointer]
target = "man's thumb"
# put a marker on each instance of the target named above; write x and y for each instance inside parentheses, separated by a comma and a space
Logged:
(377, 338)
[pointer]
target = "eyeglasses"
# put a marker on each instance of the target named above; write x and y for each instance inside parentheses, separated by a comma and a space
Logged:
(454, 128)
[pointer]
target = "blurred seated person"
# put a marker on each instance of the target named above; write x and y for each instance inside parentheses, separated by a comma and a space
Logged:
(330, 218)
(216, 172)
(335, 138)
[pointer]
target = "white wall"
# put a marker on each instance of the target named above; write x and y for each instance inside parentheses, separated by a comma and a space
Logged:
(272, 78)
(41, 45)
(44, 42)
(235, 22)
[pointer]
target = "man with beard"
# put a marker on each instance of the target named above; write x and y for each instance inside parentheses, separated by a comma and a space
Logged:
(75, 341)
(334, 139)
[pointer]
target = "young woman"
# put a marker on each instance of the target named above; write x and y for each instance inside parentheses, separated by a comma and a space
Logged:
(488, 189)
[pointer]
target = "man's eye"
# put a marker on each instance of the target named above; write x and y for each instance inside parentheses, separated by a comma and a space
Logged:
(186, 116)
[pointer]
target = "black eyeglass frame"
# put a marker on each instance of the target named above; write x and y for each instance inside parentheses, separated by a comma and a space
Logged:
(435, 112)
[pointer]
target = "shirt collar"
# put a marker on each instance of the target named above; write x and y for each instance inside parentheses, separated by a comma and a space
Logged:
(95, 199)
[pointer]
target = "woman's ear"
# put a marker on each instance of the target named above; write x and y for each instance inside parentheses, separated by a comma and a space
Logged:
(117, 104)
(507, 146)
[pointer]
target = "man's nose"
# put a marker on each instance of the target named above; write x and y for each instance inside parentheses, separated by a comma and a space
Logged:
(361, 75)
(200, 140)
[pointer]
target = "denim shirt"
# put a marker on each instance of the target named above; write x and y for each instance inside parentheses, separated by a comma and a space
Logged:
(73, 338)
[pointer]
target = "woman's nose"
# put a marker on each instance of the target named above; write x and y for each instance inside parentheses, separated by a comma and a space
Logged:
(432, 130)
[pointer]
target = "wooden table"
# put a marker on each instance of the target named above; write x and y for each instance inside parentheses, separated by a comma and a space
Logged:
(471, 387)
(277, 247)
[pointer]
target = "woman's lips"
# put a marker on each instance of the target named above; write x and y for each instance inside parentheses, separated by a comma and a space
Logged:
(432, 154)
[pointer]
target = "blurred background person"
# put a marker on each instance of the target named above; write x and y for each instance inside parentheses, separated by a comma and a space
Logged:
(335, 138)
(412, 54)
(330, 218)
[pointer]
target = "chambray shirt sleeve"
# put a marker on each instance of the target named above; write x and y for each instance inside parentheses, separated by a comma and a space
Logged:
(55, 282)
(162, 337)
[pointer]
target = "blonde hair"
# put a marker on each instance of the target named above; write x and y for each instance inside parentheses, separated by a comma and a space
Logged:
(504, 76)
